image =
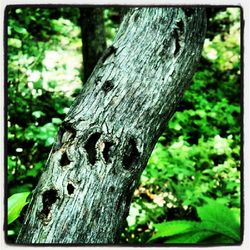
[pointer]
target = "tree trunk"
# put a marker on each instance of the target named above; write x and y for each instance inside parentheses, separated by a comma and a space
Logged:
(93, 38)
(110, 131)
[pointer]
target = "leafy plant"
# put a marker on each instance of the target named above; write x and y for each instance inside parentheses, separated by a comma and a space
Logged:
(16, 203)
(218, 224)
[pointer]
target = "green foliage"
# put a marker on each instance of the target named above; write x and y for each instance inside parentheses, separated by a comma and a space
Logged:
(218, 225)
(16, 202)
(197, 157)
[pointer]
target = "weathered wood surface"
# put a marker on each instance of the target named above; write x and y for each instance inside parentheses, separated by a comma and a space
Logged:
(111, 129)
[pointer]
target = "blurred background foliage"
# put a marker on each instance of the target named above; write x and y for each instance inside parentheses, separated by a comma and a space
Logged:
(196, 158)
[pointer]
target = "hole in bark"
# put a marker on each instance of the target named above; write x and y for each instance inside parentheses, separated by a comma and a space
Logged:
(111, 189)
(131, 154)
(49, 197)
(70, 188)
(180, 26)
(106, 151)
(64, 160)
(69, 133)
(189, 11)
(65, 133)
(90, 147)
(136, 16)
(177, 44)
(107, 86)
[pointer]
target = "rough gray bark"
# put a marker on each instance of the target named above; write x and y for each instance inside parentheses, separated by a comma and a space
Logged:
(93, 38)
(110, 131)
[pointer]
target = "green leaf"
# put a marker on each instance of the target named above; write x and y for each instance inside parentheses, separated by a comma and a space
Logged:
(171, 228)
(191, 237)
(20, 30)
(219, 218)
(219, 239)
(11, 232)
(49, 141)
(16, 202)
(38, 114)
(15, 42)
(11, 163)
(56, 121)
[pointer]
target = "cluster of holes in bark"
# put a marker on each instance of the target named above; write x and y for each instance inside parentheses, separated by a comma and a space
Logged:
(130, 154)
(90, 147)
(70, 188)
(107, 86)
(49, 198)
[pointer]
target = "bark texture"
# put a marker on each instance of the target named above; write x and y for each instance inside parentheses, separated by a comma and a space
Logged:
(93, 38)
(110, 131)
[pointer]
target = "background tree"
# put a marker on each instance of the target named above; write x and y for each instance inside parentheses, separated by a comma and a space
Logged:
(93, 38)
(196, 157)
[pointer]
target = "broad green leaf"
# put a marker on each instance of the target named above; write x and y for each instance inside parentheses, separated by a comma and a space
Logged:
(219, 239)
(191, 237)
(219, 218)
(171, 228)
(16, 202)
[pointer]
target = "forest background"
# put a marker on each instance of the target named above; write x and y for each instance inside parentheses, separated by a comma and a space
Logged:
(195, 168)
